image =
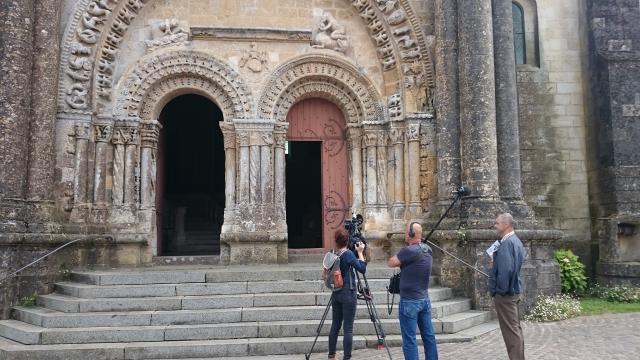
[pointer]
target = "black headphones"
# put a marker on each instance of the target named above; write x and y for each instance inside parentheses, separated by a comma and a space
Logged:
(412, 232)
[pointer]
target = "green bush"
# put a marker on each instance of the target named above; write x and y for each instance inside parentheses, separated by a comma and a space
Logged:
(572, 273)
(623, 294)
(554, 308)
(27, 301)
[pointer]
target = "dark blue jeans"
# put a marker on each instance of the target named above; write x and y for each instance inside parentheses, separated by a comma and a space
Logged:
(344, 312)
(412, 313)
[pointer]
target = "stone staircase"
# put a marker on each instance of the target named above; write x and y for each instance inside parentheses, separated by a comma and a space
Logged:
(178, 312)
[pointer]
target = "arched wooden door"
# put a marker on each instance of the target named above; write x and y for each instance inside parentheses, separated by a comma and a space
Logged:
(321, 121)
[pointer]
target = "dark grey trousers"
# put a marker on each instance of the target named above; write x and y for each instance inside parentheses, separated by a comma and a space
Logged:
(509, 319)
(344, 312)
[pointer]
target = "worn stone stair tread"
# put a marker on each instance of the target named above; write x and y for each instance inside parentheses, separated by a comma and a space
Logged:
(202, 349)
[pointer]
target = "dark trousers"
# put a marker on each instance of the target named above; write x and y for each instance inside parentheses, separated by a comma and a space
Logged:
(344, 312)
(509, 319)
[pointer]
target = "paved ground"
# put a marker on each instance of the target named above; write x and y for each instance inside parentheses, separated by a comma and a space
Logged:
(611, 337)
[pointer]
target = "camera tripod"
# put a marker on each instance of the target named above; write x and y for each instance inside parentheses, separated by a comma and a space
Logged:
(364, 293)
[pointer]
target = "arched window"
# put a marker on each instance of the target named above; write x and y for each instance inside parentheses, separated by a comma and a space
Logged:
(519, 39)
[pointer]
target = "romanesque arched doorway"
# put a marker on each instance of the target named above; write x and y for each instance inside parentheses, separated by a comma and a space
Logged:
(317, 175)
(190, 172)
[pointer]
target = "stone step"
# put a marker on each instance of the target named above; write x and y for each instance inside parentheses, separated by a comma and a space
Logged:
(192, 289)
(52, 319)
(212, 274)
(36, 335)
(208, 349)
(70, 304)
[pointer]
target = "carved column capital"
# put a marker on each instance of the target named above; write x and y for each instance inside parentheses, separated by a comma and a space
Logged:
(125, 135)
(243, 138)
(396, 135)
(354, 137)
(413, 132)
(82, 130)
(102, 132)
(370, 139)
(280, 134)
(149, 133)
(228, 135)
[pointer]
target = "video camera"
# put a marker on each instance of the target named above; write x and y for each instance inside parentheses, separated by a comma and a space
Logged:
(354, 227)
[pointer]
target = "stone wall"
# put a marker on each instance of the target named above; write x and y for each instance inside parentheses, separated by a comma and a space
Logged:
(552, 124)
(614, 110)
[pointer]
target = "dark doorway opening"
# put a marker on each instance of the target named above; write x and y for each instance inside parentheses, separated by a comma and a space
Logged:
(190, 177)
(304, 194)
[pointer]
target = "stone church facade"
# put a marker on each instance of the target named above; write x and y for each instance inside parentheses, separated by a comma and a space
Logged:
(392, 103)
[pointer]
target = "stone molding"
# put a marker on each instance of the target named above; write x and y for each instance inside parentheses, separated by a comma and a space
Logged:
(157, 76)
(250, 34)
(97, 28)
(325, 77)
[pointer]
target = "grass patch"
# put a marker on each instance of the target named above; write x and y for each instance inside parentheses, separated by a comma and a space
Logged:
(594, 306)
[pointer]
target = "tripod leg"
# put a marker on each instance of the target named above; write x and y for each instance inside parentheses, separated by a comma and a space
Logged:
(322, 320)
(363, 285)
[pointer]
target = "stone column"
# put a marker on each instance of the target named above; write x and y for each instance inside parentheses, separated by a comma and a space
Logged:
(149, 133)
(229, 136)
(280, 138)
(381, 167)
(44, 99)
(266, 172)
(243, 142)
(16, 53)
(397, 143)
(507, 127)
(370, 144)
(125, 158)
(477, 109)
(254, 167)
(102, 136)
(446, 102)
(81, 172)
(117, 193)
(354, 142)
(413, 144)
(130, 161)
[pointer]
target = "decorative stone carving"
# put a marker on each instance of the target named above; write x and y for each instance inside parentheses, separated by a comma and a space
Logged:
(82, 131)
(323, 77)
(328, 34)
(102, 133)
(149, 133)
(253, 59)
(413, 132)
(396, 135)
(370, 139)
(258, 34)
(157, 75)
(167, 32)
(125, 135)
(394, 105)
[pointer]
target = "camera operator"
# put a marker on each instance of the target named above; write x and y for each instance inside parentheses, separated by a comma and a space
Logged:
(415, 260)
(345, 299)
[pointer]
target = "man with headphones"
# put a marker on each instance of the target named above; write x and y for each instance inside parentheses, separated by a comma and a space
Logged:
(415, 262)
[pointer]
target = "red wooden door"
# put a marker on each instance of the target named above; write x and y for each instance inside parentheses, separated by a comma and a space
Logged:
(321, 120)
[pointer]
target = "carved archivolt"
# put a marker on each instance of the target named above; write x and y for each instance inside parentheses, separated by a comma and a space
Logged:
(160, 76)
(320, 76)
(94, 35)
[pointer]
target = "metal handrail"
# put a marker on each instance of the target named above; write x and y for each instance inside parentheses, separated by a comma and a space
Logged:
(39, 259)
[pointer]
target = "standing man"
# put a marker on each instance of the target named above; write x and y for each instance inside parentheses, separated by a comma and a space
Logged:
(505, 285)
(415, 307)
